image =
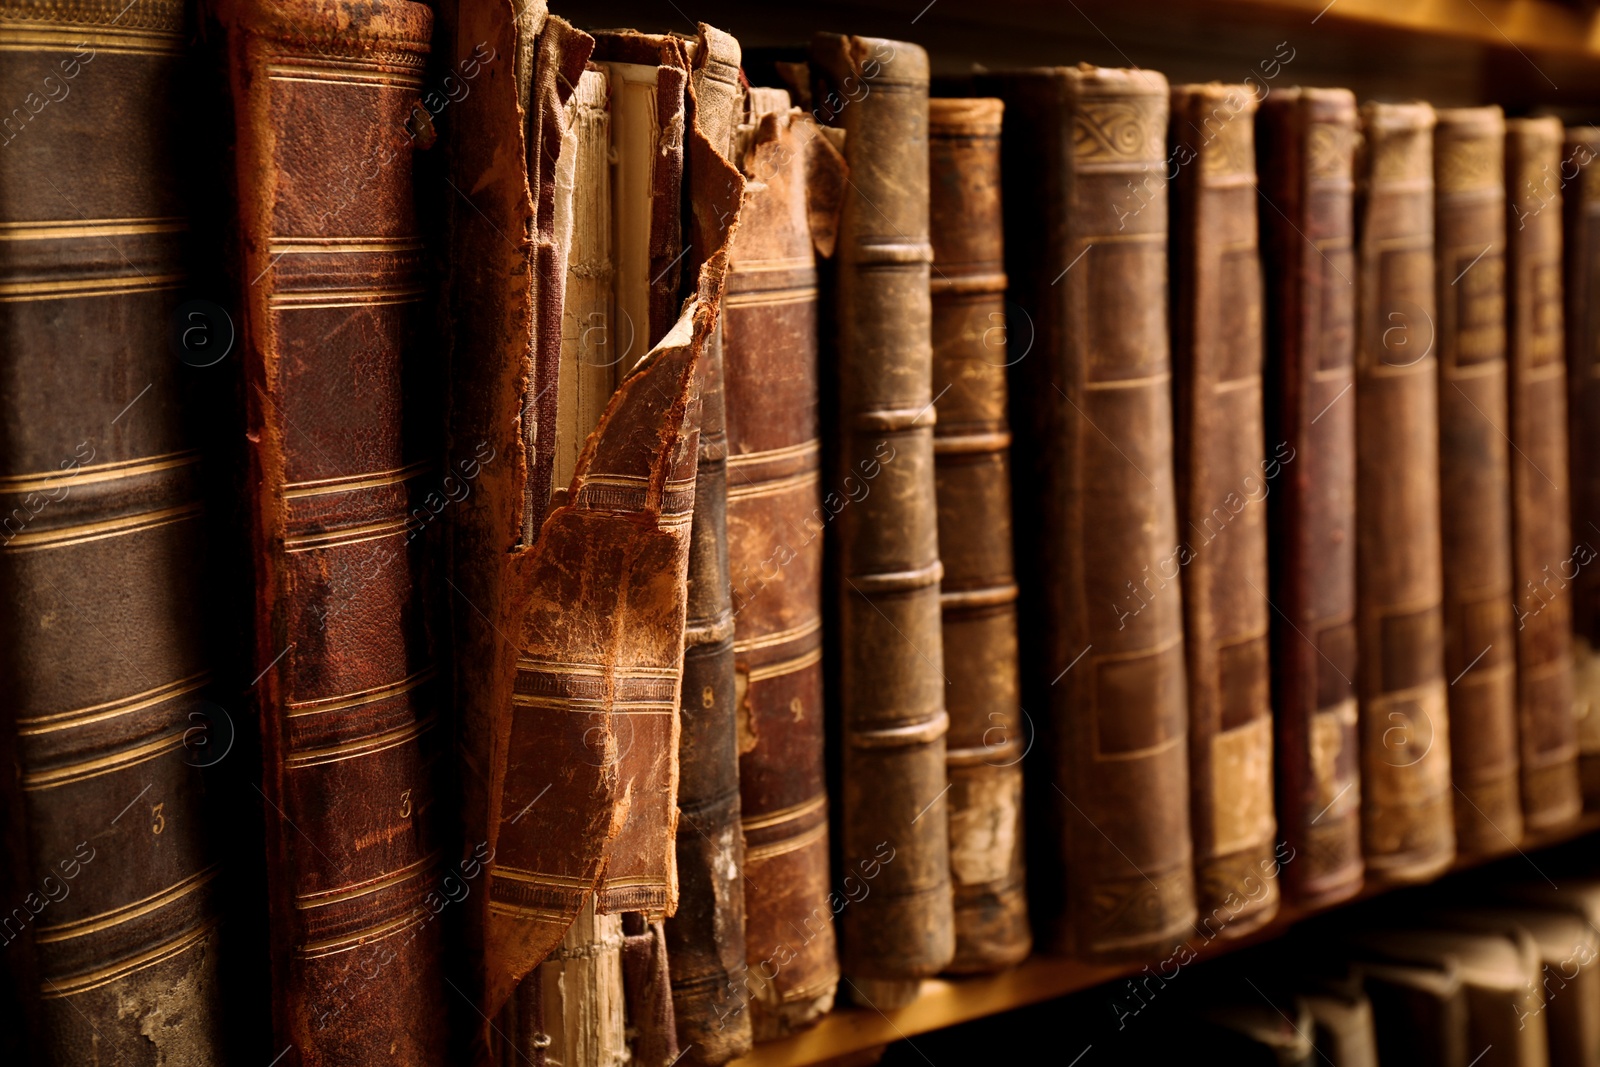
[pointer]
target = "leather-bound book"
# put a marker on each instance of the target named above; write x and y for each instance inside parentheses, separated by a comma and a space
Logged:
(1308, 139)
(1342, 1031)
(109, 938)
(1222, 465)
(775, 538)
(972, 476)
(1406, 810)
(1086, 244)
(894, 818)
(1543, 556)
(705, 938)
(1419, 1012)
(1580, 204)
(1474, 475)
(348, 709)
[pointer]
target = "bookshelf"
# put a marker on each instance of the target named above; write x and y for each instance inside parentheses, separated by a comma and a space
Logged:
(946, 1002)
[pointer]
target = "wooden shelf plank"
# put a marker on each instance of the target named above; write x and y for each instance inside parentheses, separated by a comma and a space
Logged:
(943, 1002)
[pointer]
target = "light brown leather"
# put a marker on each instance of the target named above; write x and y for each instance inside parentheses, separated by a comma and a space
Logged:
(1222, 465)
(978, 595)
(1086, 242)
(1407, 830)
(1307, 140)
(894, 817)
(1543, 555)
(1474, 475)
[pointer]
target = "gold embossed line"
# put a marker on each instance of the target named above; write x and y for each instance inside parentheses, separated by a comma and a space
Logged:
(66, 229)
(83, 983)
(560, 916)
(787, 666)
(352, 482)
(332, 946)
(789, 814)
(111, 709)
(362, 697)
(800, 451)
(98, 472)
(364, 746)
(350, 535)
(342, 75)
(775, 487)
(31, 35)
(772, 266)
(778, 637)
(771, 297)
(94, 768)
(410, 872)
(84, 288)
(793, 844)
(524, 877)
(312, 246)
(107, 920)
(379, 296)
(97, 531)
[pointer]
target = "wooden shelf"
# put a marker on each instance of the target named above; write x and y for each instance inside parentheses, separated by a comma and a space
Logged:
(945, 1002)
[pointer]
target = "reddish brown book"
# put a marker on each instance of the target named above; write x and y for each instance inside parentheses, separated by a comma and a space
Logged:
(1308, 138)
(1407, 820)
(1222, 465)
(1543, 554)
(1474, 475)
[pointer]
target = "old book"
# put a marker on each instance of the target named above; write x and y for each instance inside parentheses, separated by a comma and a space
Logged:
(1419, 1012)
(1342, 1029)
(353, 853)
(1086, 237)
(1308, 138)
(705, 938)
(1222, 463)
(972, 480)
(1543, 557)
(1406, 810)
(1581, 240)
(775, 538)
(580, 988)
(1474, 475)
(894, 818)
(111, 879)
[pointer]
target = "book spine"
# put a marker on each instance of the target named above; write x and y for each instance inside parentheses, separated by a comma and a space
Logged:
(338, 278)
(1474, 475)
(895, 817)
(978, 595)
(1542, 551)
(111, 886)
(1581, 209)
(1221, 461)
(579, 986)
(775, 539)
(1309, 138)
(705, 938)
(1086, 240)
(1407, 822)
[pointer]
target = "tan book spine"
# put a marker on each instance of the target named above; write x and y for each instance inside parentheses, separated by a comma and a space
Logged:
(1407, 821)
(978, 595)
(1474, 475)
(1542, 550)
(894, 818)
(1221, 464)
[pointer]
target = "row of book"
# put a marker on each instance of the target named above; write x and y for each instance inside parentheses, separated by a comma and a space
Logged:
(617, 453)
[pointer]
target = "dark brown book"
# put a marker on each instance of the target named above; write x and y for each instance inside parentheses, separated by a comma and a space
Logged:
(1419, 1012)
(1543, 555)
(346, 696)
(894, 818)
(1222, 463)
(111, 888)
(1406, 810)
(1308, 139)
(775, 538)
(1581, 242)
(1474, 475)
(1086, 255)
(705, 937)
(972, 475)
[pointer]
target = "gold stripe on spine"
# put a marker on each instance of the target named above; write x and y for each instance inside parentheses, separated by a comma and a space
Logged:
(83, 983)
(770, 297)
(78, 772)
(307, 901)
(345, 298)
(27, 35)
(793, 844)
(361, 746)
(779, 637)
(371, 531)
(514, 874)
(64, 229)
(525, 911)
(302, 72)
(377, 932)
(349, 482)
(304, 246)
(107, 920)
(788, 666)
(98, 472)
(789, 814)
(805, 448)
(83, 288)
(96, 531)
(756, 490)
(111, 709)
(298, 708)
